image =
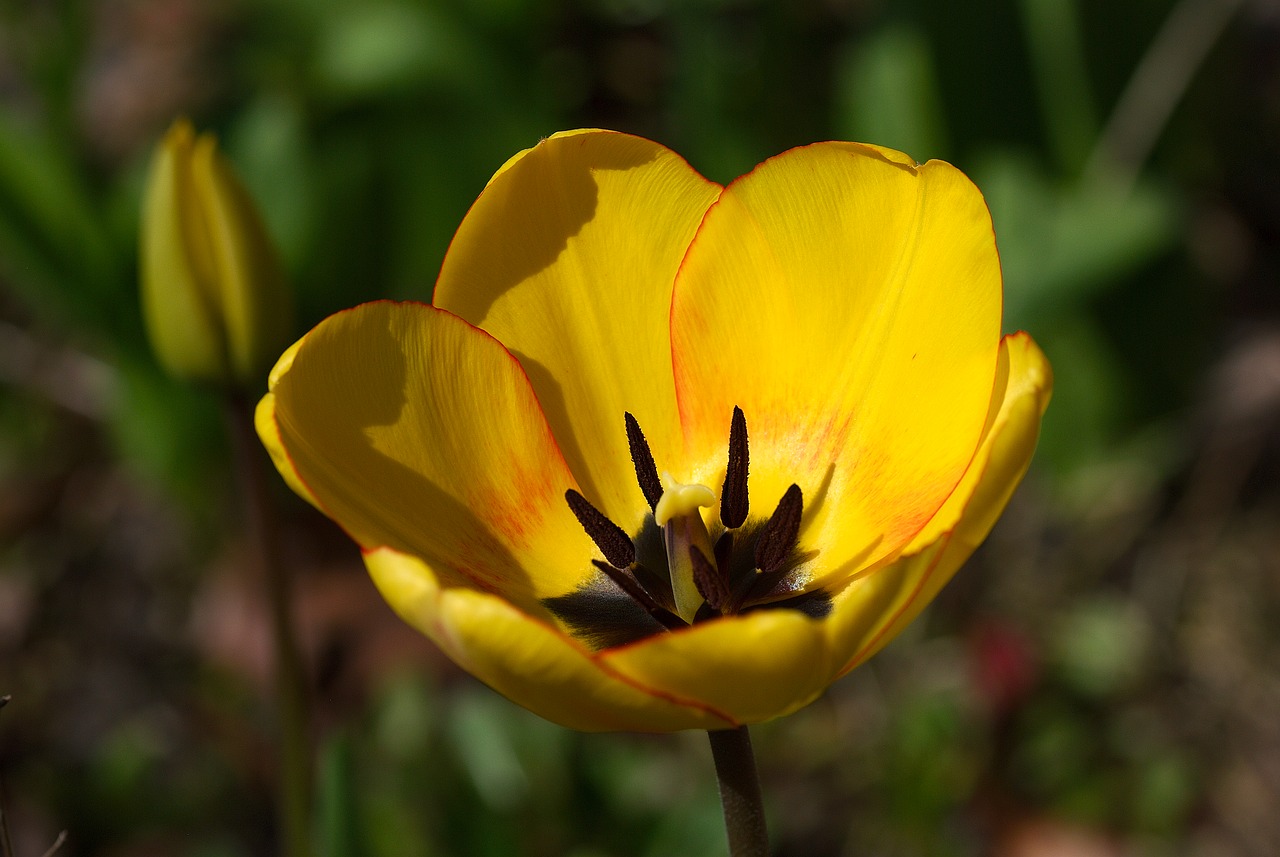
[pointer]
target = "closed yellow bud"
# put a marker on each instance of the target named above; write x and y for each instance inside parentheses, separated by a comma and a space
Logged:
(214, 297)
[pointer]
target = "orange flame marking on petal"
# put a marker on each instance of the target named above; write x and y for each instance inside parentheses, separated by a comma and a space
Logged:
(520, 510)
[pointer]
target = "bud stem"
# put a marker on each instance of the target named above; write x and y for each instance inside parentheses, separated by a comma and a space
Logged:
(290, 678)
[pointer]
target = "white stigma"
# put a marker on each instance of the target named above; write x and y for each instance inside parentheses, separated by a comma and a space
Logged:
(679, 500)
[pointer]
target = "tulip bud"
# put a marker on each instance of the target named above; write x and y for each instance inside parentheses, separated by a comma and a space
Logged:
(214, 297)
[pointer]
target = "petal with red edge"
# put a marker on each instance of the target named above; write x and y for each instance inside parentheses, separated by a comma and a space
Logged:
(871, 609)
(849, 301)
(752, 667)
(414, 430)
(529, 661)
(568, 258)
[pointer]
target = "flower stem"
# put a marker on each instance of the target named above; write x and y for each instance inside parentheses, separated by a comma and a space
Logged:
(290, 678)
(740, 792)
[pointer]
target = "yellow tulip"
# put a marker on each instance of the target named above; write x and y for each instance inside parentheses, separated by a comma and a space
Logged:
(214, 297)
(667, 455)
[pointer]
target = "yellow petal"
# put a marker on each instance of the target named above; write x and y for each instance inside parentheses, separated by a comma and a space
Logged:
(179, 303)
(849, 301)
(753, 667)
(526, 660)
(568, 258)
(872, 608)
(252, 295)
(414, 430)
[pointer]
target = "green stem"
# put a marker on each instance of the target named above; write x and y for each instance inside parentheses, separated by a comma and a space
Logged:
(740, 792)
(290, 677)
(5, 842)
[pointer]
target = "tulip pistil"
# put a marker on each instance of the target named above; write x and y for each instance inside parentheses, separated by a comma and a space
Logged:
(687, 540)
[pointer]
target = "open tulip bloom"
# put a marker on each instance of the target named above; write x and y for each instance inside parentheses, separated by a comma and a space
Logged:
(663, 454)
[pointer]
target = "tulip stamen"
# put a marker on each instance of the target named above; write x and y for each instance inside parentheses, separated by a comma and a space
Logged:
(642, 460)
(734, 503)
(778, 539)
(612, 540)
(637, 593)
(711, 583)
(671, 570)
(723, 552)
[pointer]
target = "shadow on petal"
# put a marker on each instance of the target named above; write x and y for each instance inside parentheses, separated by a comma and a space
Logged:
(542, 204)
(602, 616)
(350, 413)
(551, 397)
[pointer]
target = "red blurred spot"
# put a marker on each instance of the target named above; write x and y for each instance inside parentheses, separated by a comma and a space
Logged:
(1004, 665)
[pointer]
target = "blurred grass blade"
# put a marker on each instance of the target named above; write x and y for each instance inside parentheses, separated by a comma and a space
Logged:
(337, 809)
(42, 197)
(887, 93)
(54, 244)
(1061, 73)
(1157, 85)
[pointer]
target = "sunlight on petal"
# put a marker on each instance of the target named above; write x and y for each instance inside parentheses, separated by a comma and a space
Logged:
(849, 302)
(568, 259)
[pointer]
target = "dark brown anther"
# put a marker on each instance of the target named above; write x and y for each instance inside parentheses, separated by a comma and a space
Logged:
(608, 536)
(723, 551)
(637, 593)
(779, 535)
(711, 585)
(733, 496)
(642, 458)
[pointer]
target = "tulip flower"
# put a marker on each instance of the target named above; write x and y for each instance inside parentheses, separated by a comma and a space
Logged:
(663, 454)
(213, 293)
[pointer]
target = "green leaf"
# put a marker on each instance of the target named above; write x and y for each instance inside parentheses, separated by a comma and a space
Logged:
(368, 50)
(1062, 243)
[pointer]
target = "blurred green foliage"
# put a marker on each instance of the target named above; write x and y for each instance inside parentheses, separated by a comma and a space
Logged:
(431, 773)
(366, 129)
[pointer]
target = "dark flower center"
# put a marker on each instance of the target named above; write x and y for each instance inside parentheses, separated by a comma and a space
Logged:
(676, 571)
